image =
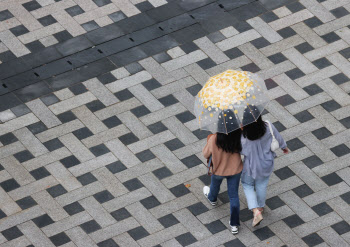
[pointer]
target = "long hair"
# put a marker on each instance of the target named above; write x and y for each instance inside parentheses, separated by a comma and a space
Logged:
(254, 127)
(230, 142)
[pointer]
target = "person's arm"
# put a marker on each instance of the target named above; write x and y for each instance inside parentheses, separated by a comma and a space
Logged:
(280, 139)
(206, 150)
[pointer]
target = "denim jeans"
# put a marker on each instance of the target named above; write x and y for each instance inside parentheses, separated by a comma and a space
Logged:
(255, 190)
(232, 189)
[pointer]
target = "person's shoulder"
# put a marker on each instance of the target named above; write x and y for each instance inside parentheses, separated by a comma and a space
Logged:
(211, 137)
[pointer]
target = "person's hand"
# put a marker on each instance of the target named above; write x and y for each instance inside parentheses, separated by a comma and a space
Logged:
(285, 150)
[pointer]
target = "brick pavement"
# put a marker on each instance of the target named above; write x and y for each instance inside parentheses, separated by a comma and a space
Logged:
(98, 137)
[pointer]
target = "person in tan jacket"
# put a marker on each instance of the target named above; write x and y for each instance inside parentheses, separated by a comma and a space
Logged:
(224, 150)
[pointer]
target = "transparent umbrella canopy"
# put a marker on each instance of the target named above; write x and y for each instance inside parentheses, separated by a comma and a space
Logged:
(230, 100)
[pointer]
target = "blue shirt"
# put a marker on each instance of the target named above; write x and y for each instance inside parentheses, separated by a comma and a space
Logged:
(258, 157)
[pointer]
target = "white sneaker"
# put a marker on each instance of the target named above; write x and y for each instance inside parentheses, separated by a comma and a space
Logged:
(206, 191)
(234, 229)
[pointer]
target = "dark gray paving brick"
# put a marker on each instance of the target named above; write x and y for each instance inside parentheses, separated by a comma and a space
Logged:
(116, 167)
(103, 196)
(73, 208)
(121, 214)
(264, 233)
(60, 239)
(313, 239)
(43, 220)
(322, 209)
(26, 202)
(303, 190)
(168, 220)
(340, 150)
(133, 184)
(293, 221)
(186, 239)
(12, 233)
(274, 202)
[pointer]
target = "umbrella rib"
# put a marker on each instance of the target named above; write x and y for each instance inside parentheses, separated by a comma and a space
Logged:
(223, 115)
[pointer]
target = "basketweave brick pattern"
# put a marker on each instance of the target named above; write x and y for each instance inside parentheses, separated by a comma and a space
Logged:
(98, 145)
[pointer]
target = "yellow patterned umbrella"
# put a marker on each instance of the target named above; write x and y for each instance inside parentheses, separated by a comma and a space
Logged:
(230, 100)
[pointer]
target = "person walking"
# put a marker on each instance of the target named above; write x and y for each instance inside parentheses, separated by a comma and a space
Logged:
(224, 151)
(258, 161)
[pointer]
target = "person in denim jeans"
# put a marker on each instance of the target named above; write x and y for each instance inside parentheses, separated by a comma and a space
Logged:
(258, 160)
(224, 149)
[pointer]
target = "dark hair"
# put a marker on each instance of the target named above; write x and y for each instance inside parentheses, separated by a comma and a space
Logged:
(231, 142)
(254, 127)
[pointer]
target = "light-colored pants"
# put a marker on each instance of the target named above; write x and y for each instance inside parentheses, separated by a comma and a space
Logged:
(255, 190)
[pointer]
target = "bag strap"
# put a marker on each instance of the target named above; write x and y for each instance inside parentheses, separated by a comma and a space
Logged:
(270, 127)
(210, 164)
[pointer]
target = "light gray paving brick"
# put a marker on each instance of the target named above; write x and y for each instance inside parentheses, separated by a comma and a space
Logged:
(246, 236)
(265, 30)
(129, 81)
(13, 43)
(156, 188)
(43, 113)
(95, 209)
(139, 170)
(318, 10)
(89, 119)
(157, 71)
(345, 174)
(21, 217)
(327, 194)
(273, 241)
(276, 70)
(60, 130)
(6, 115)
(317, 76)
(174, 87)
(76, 147)
(192, 125)
(337, 139)
(331, 166)
(126, 6)
(283, 186)
(309, 35)
(11, 149)
(35, 235)
(331, 237)
(146, 98)
(125, 240)
(18, 242)
(144, 217)
(127, 199)
(332, 4)
(96, 14)
(344, 34)
(290, 87)
(33, 188)
(308, 103)
(68, 23)
(238, 40)
(214, 214)
(211, 50)
(326, 119)
(164, 113)
(256, 56)
(215, 240)
(280, 113)
(232, 64)
(317, 224)
(174, 205)
(64, 94)
(50, 205)
(41, 33)
(185, 60)
(229, 31)
(168, 158)
(162, 236)
(63, 176)
(66, 223)
(117, 108)
(80, 238)
(122, 153)
(110, 182)
(46, 159)
(341, 207)
(134, 125)
(17, 171)
(299, 60)
(340, 62)
(92, 164)
(179, 131)
(326, 51)
(332, 25)
(286, 234)
(292, 157)
(301, 129)
(197, 73)
(282, 45)
(176, 52)
(4, 175)
(282, 11)
(80, 193)
(186, 99)
(18, 123)
(120, 73)
(291, 19)
(179, 73)
(171, 243)
(8, 206)
(190, 149)
(184, 176)
(5, 25)
(157, 3)
(86, 5)
(298, 206)
(30, 142)
(72, 103)
(308, 176)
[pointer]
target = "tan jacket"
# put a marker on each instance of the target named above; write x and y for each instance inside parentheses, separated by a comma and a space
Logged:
(224, 164)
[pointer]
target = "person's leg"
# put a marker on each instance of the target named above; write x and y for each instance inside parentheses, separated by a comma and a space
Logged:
(248, 184)
(232, 189)
(214, 188)
(261, 187)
